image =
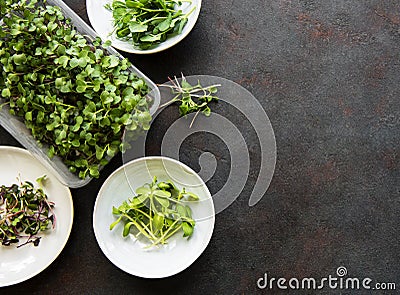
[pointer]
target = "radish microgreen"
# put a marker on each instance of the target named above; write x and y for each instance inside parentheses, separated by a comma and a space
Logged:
(24, 212)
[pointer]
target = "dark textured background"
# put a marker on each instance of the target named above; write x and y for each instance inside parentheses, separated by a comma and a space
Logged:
(327, 74)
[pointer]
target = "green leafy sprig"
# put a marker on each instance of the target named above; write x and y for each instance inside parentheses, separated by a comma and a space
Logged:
(73, 95)
(24, 212)
(145, 23)
(191, 98)
(157, 212)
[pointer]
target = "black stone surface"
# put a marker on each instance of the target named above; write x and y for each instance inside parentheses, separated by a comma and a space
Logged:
(327, 74)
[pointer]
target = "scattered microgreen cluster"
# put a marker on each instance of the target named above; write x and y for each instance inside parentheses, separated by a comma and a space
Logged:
(145, 23)
(72, 94)
(24, 212)
(158, 211)
(191, 98)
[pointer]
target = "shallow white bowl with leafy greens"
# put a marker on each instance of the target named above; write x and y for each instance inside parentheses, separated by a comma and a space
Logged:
(133, 255)
(102, 21)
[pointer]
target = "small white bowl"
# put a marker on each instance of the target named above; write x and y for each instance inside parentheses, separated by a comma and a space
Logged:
(20, 264)
(131, 254)
(102, 22)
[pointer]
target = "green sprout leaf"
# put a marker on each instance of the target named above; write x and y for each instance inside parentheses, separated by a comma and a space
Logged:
(19, 59)
(112, 225)
(187, 229)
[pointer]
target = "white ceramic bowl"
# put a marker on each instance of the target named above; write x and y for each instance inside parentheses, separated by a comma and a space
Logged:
(20, 264)
(130, 254)
(102, 22)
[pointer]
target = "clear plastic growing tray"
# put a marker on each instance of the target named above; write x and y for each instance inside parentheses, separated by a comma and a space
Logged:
(15, 126)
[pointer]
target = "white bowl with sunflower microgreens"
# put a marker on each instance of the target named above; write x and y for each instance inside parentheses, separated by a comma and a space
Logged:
(135, 254)
(102, 21)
